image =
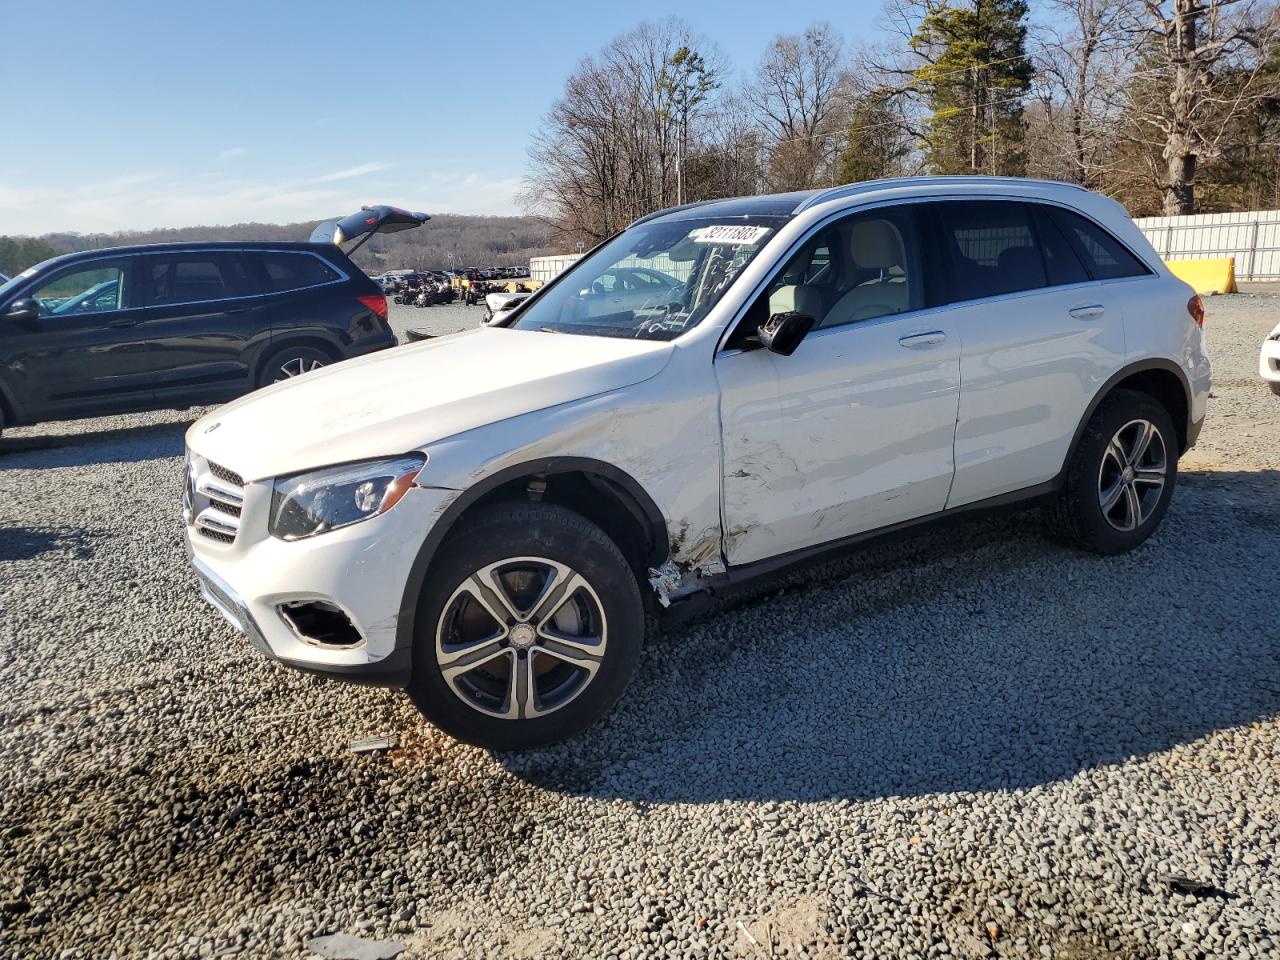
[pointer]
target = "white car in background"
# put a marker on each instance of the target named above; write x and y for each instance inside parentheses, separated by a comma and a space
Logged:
(500, 305)
(1269, 361)
(487, 518)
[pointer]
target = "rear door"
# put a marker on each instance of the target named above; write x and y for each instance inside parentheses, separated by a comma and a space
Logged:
(205, 324)
(85, 354)
(1039, 339)
(301, 290)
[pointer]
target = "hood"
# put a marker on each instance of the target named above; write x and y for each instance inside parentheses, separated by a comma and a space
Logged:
(401, 399)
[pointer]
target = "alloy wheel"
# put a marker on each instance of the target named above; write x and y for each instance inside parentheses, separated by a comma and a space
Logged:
(521, 638)
(1133, 474)
(296, 367)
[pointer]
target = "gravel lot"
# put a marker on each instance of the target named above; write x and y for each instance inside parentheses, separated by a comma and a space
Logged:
(971, 744)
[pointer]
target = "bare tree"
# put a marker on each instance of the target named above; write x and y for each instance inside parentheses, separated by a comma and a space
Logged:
(1201, 68)
(1079, 88)
(799, 94)
(611, 148)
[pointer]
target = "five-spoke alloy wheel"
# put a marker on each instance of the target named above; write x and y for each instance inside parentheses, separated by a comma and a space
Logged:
(527, 629)
(1131, 478)
(521, 638)
(1120, 478)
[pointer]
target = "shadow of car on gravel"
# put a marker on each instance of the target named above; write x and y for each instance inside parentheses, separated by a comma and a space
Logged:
(974, 659)
(134, 444)
(27, 543)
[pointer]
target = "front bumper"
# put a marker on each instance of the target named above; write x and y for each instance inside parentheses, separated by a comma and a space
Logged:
(362, 570)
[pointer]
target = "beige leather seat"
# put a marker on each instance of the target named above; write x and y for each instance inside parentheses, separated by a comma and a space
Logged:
(874, 245)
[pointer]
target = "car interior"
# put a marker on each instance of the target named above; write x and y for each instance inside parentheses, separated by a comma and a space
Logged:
(854, 270)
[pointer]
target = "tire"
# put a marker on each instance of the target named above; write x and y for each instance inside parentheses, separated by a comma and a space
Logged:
(299, 359)
(530, 550)
(1275, 387)
(1111, 501)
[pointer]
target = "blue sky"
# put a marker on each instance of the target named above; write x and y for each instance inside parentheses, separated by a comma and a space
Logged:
(140, 114)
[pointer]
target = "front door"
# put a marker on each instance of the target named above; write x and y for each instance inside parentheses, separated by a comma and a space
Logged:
(84, 354)
(854, 431)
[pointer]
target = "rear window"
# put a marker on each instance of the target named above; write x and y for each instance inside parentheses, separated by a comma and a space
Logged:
(1105, 257)
(993, 248)
(292, 271)
(192, 277)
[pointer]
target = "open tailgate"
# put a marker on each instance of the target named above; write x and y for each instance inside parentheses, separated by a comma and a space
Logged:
(365, 223)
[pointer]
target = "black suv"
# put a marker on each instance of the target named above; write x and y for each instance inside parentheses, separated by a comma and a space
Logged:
(174, 325)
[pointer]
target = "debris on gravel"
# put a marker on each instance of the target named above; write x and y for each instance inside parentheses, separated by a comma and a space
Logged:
(343, 946)
(970, 744)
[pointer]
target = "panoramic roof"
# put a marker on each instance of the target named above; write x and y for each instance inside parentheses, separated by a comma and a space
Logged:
(772, 205)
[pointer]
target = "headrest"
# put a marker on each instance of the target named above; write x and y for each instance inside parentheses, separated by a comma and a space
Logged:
(1021, 262)
(876, 245)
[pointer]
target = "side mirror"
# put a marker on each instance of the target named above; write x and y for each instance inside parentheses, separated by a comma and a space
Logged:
(782, 332)
(24, 310)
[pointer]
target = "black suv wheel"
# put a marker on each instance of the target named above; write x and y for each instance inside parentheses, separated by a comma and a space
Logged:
(290, 362)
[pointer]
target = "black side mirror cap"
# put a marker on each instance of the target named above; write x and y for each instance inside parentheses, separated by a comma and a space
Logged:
(23, 311)
(782, 332)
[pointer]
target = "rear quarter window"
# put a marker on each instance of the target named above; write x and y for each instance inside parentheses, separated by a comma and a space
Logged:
(293, 271)
(1105, 257)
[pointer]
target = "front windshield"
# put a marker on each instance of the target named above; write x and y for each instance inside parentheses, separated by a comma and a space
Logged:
(19, 279)
(654, 281)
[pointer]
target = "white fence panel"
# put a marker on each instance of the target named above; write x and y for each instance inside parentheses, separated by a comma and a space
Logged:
(547, 268)
(1252, 237)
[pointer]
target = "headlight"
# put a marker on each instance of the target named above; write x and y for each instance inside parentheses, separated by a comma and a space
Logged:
(318, 501)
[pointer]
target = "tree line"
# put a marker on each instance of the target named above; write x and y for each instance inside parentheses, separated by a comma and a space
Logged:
(446, 241)
(1170, 106)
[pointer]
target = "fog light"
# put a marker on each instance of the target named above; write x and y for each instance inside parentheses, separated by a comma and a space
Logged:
(320, 623)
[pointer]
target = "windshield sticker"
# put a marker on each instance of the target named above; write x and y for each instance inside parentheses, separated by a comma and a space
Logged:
(731, 233)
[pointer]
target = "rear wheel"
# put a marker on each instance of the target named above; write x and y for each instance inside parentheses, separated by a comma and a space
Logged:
(1121, 478)
(290, 362)
(1275, 387)
(528, 628)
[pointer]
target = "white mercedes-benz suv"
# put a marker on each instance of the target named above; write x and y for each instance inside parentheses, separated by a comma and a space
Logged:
(488, 518)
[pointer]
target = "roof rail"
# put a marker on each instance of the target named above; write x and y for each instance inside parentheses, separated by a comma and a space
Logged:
(663, 212)
(866, 186)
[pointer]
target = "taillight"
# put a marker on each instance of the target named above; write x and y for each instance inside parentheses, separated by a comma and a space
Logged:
(376, 302)
(1195, 307)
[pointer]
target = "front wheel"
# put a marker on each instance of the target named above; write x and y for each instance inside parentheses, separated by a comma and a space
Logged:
(527, 630)
(1275, 387)
(1121, 479)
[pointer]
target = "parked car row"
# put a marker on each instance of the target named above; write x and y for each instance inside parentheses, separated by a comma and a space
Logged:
(396, 281)
(146, 327)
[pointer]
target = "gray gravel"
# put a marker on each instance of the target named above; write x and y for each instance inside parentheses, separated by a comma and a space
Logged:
(971, 744)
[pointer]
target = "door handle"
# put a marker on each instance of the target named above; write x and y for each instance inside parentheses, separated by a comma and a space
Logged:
(918, 340)
(1088, 312)
(123, 322)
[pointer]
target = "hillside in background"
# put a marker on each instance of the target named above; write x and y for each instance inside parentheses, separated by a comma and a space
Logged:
(446, 240)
